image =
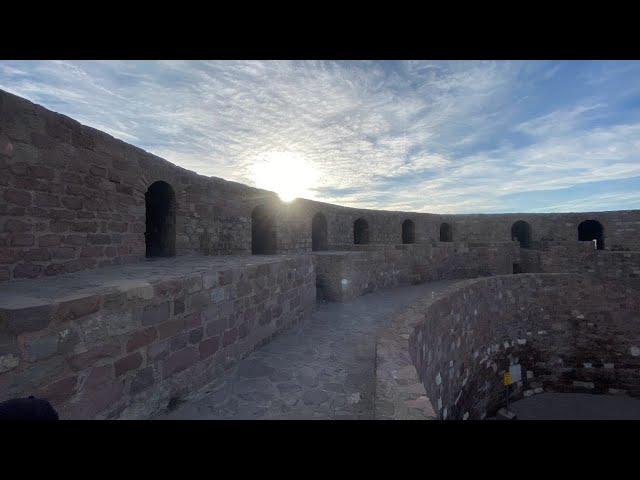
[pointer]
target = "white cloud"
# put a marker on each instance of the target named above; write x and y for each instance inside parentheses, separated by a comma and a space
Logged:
(424, 136)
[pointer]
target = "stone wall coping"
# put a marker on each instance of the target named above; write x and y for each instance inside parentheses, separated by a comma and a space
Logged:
(41, 291)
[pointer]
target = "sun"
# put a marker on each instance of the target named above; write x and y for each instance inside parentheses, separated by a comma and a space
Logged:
(288, 174)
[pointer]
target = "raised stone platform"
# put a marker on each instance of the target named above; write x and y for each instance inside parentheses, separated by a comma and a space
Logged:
(122, 341)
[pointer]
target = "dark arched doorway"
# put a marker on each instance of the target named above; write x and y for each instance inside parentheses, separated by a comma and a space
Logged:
(318, 232)
(263, 233)
(590, 230)
(360, 232)
(408, 231)
(160, 234)
(446, 233)
(521, 231)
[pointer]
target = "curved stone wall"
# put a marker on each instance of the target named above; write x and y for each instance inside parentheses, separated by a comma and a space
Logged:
(564, 332)
(73, 198)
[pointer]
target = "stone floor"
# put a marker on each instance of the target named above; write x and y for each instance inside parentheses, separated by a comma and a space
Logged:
(322, 368)
(576, 406)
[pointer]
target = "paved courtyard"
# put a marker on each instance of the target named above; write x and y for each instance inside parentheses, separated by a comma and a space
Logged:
(322, 368)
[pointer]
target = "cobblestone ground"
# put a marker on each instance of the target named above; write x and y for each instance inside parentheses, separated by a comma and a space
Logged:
(322, 368)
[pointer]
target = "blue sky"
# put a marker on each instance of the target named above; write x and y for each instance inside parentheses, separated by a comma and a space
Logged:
(441, 137)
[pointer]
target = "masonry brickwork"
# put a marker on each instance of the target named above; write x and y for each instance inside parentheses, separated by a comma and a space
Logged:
(73, 217)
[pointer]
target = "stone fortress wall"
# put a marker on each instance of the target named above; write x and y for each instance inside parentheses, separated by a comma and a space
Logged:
(73, 198)
(74, 205)
(445, 357)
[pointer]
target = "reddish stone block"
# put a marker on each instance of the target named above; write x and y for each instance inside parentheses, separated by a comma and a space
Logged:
(230, 336)
(130, 362)
(72, 203)
(209, 346)
(179, 361)
(141, 338)
(118, 227)
(54, 269)
(76, 240)
(169, 287)
(86, 359)
(193, 320)
(92, 251)
(59, 227)
(50, 240)
(45, 200)
(85, 227)
(77, 308)
(99, 239)
(125, 189)
(17, 226)
(18, 197)
(27, 270)
(21, 240)
(36, 254)
(170, 328)
(62, 252)
(61, 214)
(59, 391)
(23, 320)
(38, 171)
(225, 277)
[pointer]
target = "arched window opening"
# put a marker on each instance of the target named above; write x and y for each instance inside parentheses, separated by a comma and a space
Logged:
(360, 232)
(408, 231)
(263, 232)
(446, 233)
(590, 230)
(319, 232)
(160, 234)
(521, 231)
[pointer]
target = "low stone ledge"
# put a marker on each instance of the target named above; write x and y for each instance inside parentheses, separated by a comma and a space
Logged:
(121, 342)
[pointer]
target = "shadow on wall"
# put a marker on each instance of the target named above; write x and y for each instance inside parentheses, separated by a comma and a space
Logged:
(319, 232)
(590, 230)
(521, 231)
(360, 232)
(446, 233)
(408, 231)
(160, 235)
(263, 232)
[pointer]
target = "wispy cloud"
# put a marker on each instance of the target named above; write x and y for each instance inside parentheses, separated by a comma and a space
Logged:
(424, 136)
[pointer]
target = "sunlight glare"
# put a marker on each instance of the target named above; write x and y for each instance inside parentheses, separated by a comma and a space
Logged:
(286, 173)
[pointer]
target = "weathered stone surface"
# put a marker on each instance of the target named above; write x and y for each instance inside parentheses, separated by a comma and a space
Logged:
(130, 362)
(154, 314)
(178, 361)
(78, 308)
(143, 380)
(30, 319)
(141, 338)
(83, 360)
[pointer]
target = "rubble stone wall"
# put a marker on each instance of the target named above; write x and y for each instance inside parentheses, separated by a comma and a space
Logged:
(565, 332)
(72, 198)
(126, 351)
(344, 275)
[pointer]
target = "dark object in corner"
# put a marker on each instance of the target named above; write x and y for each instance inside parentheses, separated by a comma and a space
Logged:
(31, 408)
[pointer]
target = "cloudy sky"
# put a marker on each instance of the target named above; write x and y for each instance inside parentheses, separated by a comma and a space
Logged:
(442, 137)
